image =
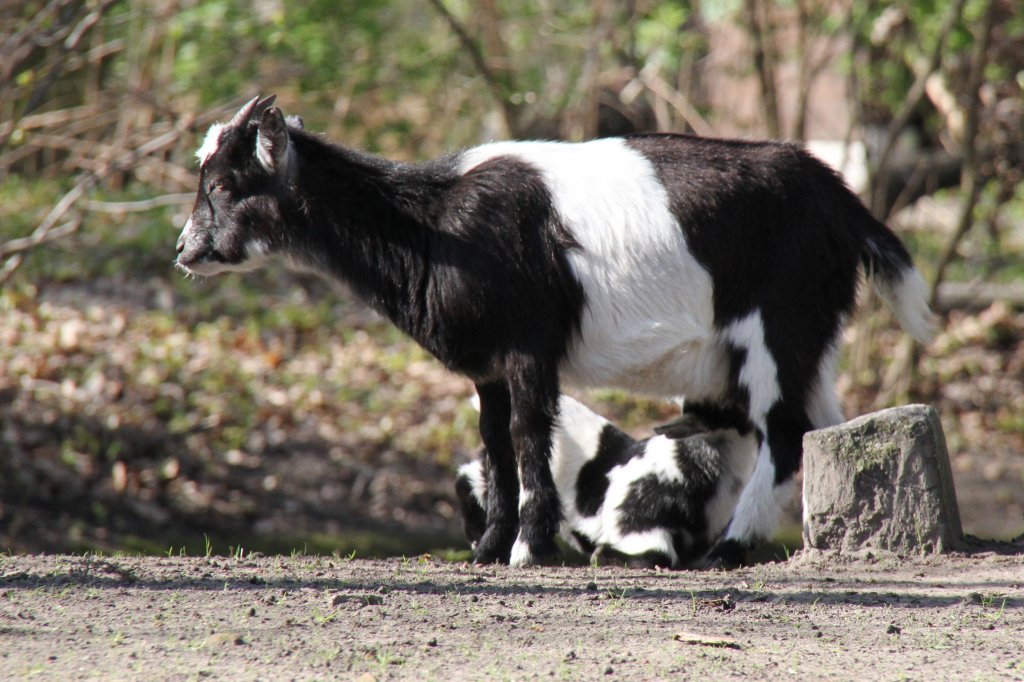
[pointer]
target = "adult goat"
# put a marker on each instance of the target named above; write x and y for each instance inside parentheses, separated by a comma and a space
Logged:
(670, 265)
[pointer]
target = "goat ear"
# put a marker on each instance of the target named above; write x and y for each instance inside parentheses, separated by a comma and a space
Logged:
(272, 141)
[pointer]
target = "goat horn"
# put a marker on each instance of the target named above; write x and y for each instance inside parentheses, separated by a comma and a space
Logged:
(243, 115)
(263, 105)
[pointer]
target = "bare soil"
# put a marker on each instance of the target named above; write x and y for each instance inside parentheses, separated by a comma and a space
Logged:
(871, 617)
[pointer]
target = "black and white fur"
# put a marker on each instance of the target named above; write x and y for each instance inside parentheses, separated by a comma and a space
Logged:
(653, 502)
(718, 270)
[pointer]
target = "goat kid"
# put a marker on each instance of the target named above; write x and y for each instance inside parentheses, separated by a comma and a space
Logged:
(654, 502)
(669, 265)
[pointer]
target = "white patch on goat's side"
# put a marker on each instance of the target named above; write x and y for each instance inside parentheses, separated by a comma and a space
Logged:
(658, 460)
(648, 321)
(759, 373)
(211, 143)
(908, 299)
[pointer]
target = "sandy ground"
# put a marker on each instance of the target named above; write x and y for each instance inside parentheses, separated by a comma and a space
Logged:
(873, 617)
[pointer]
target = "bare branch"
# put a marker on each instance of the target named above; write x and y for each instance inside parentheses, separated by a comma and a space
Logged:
(138, 206)
(46, 230)
(499, 90)
(665, 92)
(971, 182)
(897, 378)
(910, 103)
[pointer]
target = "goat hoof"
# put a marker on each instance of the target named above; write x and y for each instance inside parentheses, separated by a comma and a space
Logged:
(493, 548)
(608, 556)
(727, 555)
(524, 554)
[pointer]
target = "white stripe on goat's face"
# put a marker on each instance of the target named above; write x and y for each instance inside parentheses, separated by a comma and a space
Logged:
(210, 143)
(648, 315)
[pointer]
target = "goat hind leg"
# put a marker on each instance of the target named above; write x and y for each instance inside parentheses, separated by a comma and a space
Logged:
(495, 545)
(534, 410)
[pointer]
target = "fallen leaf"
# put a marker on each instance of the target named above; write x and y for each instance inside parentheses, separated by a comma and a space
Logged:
(706, 640)
(361, 599)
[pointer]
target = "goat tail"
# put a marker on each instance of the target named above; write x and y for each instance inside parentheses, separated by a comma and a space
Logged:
(898, 282)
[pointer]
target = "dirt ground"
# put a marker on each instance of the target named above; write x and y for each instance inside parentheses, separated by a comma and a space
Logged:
(873, 617)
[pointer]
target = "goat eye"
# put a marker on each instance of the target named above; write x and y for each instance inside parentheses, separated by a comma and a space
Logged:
(217, 186)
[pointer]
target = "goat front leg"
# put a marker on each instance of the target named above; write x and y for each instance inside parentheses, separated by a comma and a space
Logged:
(770, 486)
(534, 394)
(495, 545)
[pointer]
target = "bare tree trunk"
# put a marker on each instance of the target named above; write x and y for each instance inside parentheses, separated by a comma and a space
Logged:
(581, 119)
(804, 70)
(759, 25)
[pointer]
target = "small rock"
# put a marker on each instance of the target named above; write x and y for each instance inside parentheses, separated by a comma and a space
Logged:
(881, 482)
(893, 630)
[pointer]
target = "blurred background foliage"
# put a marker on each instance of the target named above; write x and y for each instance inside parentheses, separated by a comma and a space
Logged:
(271, 412)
